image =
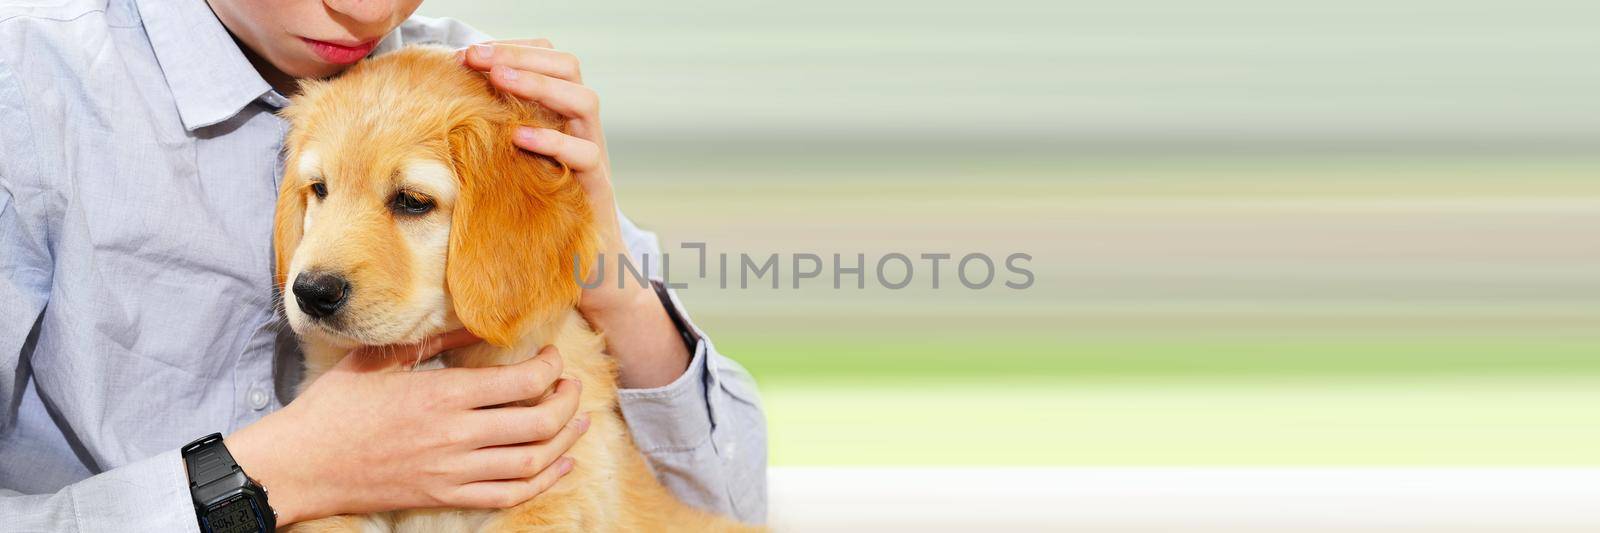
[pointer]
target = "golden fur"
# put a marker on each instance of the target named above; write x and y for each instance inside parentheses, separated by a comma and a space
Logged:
(495, 256)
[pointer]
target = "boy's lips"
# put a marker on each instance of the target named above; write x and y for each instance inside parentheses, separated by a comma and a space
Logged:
(340, 53)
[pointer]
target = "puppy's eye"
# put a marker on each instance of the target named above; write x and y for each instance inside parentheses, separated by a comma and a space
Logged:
(320, 189)
(410, 203)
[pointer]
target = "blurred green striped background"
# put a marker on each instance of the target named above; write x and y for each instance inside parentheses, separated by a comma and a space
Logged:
(1325, 233)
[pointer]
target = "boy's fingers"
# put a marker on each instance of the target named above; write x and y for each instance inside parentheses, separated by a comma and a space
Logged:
(581, 155)
(519, 424)
(369, 356)
(482, 387)
(566, 98)
(546, 61)
(508, 493)
(525, 460)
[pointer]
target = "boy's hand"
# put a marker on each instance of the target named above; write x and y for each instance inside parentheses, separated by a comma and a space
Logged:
(639, 333)
(361, 439)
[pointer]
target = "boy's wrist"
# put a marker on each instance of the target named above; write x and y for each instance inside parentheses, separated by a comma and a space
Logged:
(642, 335)
(258, 452)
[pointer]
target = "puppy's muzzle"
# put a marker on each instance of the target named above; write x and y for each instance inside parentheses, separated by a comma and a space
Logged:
(320, 294)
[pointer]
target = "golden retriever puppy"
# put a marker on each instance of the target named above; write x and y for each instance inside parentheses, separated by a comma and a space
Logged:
(403, 193)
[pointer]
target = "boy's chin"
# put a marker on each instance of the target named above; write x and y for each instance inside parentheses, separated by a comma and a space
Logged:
(310, 67)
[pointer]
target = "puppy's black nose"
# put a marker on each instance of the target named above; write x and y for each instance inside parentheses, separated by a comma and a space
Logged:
(320, 294)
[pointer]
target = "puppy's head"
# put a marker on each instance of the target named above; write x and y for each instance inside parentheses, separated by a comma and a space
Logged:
(406, 211)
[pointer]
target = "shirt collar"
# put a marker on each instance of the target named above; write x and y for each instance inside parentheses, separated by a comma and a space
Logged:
(209, 76)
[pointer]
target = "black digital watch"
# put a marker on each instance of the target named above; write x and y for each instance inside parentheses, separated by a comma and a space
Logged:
(225, 499)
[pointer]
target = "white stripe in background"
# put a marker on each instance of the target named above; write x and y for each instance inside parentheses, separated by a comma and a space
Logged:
(1233, 500)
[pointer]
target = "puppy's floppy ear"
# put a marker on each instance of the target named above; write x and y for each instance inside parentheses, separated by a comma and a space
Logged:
(288, 226)
(520, 222)
(288, 222)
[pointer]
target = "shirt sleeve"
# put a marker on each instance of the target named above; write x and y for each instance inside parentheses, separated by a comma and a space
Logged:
(151, 495)
(704, 434)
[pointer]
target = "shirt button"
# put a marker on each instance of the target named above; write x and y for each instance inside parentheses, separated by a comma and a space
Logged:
(258, 398)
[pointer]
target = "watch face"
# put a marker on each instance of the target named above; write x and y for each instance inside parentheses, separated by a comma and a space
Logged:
(235, 516)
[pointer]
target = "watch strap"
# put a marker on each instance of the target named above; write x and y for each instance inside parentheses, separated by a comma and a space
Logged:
(208, 460)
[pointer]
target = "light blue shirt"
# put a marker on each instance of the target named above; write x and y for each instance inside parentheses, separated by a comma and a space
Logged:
(139, 162)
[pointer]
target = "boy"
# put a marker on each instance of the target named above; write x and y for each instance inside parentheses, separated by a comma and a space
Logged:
(139, 160)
